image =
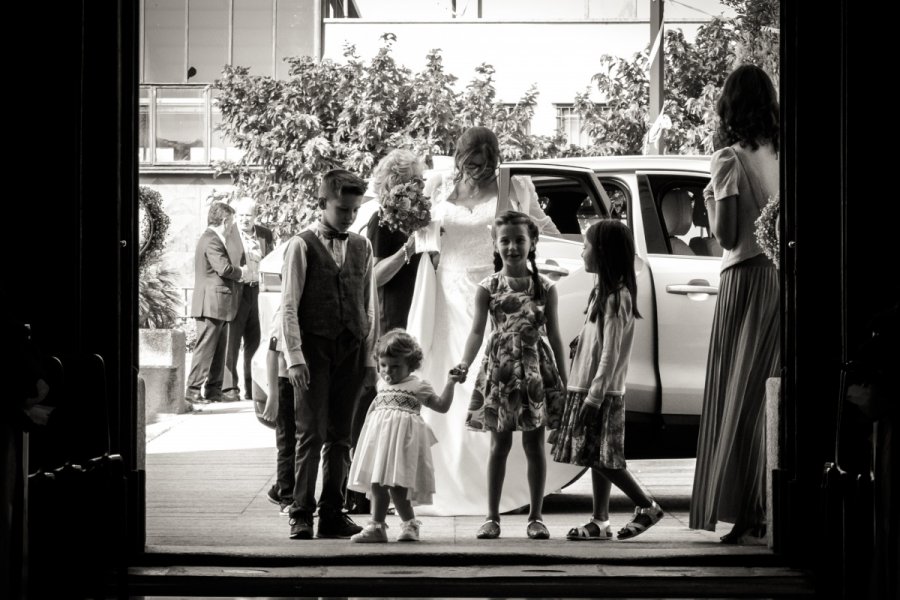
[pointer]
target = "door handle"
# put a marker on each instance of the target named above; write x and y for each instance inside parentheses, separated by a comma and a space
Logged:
(694, 286)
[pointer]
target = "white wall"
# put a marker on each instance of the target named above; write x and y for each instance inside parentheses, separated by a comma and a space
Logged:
(561, 57)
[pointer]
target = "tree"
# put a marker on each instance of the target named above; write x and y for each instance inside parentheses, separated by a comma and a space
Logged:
(694, 75)
(351, 114)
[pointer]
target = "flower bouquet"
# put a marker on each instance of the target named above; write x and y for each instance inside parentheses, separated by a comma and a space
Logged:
(767, 229)
(406, 208)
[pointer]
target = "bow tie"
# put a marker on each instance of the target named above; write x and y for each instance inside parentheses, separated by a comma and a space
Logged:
(331, 234)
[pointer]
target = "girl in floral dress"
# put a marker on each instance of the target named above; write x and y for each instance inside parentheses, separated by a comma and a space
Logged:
(518, 387)
(592, 433)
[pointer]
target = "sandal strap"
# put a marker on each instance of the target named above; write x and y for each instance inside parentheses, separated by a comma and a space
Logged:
(588, 531)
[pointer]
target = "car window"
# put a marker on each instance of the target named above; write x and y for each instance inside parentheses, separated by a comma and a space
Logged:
(618, 199)
(568, 201)
(679, 216)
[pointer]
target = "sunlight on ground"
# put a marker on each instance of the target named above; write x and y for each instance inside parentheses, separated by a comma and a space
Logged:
(221, 426)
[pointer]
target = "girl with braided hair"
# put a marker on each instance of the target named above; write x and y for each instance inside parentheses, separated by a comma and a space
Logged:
(519, 386)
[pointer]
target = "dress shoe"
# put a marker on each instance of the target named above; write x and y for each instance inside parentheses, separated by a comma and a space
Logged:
(301, 526)
(230, 396)
(336, 524)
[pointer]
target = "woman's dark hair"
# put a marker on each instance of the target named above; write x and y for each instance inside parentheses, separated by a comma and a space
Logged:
(477, 140)
(397, 343)
(613, 245)
(512, 217)
(748, 109)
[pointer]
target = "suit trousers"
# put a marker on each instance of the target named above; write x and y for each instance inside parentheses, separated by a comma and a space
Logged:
(244, 329)
(323, 416)
(208, 362)
(285, 440)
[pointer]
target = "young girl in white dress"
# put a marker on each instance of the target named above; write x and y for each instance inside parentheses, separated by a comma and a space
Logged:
(392, 460)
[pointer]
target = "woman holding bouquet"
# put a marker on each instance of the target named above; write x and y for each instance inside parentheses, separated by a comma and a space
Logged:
(744, 349)
(396, 262)
(464, 205)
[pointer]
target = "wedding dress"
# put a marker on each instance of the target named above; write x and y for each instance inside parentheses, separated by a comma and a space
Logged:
(461, 456)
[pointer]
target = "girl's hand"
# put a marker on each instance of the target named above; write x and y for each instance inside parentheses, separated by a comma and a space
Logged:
(585, 411)
(459, 372)
(435, 259)
(271, 409)
(411, 246)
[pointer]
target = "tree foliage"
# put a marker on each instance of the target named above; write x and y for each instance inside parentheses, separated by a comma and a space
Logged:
(352, 113)
(694, 75)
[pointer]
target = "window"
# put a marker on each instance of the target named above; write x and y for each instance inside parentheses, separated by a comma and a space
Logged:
(569, 201)
(569, 123)
(189, 41)
(178, 127)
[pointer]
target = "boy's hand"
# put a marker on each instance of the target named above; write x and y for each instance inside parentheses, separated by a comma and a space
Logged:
(299, 376)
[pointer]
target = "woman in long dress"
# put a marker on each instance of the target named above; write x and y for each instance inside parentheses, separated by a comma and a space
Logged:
(465, 205)
(744, 350)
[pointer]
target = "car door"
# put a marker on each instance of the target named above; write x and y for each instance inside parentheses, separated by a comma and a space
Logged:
(685, 285)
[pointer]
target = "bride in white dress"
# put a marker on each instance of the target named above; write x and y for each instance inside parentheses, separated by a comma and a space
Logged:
(465, 204)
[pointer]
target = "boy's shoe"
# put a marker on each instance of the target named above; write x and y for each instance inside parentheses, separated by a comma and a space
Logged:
(409, 531)
(301, 526)
(336, 524)
(373, 533)
(284, 508)
(644, 519)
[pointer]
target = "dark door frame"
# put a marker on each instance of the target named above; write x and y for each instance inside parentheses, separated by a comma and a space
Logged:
(84, 300)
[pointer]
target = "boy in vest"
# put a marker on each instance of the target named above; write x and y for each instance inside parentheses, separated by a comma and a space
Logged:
(329, 320)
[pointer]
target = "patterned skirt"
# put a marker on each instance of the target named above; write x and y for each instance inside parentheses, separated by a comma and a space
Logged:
(600, 442)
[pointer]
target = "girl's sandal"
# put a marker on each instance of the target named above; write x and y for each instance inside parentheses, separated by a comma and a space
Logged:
(536, 530)
(589, 532)
(489, 530)
(644, 519)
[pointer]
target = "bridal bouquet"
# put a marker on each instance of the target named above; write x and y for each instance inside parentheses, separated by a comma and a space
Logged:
(767, 229)
(406, 208)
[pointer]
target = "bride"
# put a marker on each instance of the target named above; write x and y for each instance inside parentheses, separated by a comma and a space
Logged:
(465, 204)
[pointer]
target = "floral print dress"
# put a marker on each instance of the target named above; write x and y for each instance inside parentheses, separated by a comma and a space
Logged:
(518, 387)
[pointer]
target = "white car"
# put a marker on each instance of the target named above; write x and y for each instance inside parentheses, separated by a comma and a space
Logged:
(677, 262)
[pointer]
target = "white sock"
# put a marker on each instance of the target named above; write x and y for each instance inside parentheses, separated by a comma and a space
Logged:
(601, 524)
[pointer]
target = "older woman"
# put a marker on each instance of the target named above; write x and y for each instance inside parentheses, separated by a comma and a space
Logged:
(396, 262)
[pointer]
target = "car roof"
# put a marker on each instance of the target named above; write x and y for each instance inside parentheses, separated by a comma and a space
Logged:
(657, 162)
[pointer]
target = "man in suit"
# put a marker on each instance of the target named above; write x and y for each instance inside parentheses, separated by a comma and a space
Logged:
(214, 304)
(256, 241)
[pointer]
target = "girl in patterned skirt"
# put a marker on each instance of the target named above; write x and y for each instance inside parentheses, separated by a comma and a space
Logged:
(518, 387)
(392, 460)
(593, 423)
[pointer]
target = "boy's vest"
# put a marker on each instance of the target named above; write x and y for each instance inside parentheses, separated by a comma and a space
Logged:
(333, 298)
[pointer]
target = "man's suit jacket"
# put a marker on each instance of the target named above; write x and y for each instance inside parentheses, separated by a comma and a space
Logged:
(264, 235)
(216, 279)
(236, 247)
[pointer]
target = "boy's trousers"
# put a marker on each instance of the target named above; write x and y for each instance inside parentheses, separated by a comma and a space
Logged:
(323, 415)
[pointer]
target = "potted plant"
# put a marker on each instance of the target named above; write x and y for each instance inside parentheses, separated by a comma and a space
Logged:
(161, 342)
